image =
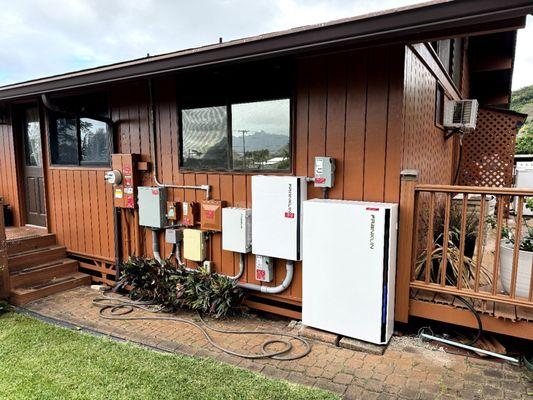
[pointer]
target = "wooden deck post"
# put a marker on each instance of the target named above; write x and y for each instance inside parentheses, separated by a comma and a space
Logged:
(4, 271)
(408, 182)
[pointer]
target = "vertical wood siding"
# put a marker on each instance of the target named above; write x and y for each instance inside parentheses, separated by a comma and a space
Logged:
(81, 211)
(346, 105)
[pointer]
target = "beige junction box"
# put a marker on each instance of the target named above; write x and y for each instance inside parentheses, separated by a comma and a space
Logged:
(194, 244)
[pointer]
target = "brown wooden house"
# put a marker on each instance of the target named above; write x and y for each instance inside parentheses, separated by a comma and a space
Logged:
(368, 91)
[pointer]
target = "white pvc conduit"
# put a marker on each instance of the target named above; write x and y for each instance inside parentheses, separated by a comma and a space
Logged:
(273, 289)
(250, 286)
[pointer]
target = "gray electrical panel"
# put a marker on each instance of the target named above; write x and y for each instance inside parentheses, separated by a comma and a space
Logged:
(152, 206)
(324, 172)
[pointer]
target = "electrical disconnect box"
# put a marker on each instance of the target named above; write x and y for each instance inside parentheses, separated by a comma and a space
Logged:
(189, 213)
(152, 206)
(194, 244)
(124, 177)
(237, 229)
(172, 211)
(324, 172)
(173, 236)
(277, 215)
(211, 215)
(264, 268)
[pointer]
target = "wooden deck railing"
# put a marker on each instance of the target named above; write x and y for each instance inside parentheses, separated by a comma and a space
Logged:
(466, 241)
(4, 272)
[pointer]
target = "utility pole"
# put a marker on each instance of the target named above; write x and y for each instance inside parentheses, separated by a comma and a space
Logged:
(244, 132)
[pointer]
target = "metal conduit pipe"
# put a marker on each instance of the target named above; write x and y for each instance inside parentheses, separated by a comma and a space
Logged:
(176, 250)
(153, 129)
(273, 289)
(155, 246)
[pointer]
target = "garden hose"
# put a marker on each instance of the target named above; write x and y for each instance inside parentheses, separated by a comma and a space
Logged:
(113, 308)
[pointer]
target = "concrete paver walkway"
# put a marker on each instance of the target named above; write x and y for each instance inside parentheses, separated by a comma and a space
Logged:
(408, 369)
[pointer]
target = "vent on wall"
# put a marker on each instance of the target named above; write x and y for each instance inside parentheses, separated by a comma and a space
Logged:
(460, 114)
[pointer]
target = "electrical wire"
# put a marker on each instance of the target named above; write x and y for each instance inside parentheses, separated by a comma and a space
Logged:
(478, 318)
(471, 308)
(113, 308)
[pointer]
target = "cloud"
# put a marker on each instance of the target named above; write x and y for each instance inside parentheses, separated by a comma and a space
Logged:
(56, 36)
(523, 67)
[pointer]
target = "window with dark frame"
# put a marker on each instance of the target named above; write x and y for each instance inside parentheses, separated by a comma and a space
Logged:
(239, 136)
(439, 106)
(76, 139)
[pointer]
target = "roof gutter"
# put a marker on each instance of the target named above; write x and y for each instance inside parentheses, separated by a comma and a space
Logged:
(409, 25)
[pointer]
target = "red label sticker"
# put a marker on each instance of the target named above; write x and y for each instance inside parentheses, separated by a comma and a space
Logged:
(127, 181)
(129, 202)
(289, 215)
(155, 191)
(320, 180)
(260, 274)
(126, 170)
(372, 209)
(210, 214)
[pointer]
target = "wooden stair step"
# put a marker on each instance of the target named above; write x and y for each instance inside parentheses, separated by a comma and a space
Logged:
(31, 243)
(43, 272)
(35, 257)
(25, 294)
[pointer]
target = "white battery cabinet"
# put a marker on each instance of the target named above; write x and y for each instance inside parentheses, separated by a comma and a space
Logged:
(349, 268)
(237, 229)
(277, 215)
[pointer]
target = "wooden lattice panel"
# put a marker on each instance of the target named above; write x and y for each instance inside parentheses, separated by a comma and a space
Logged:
(488, 152)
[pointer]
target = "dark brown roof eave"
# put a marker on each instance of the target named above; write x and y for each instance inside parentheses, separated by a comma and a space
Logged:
(409, 24)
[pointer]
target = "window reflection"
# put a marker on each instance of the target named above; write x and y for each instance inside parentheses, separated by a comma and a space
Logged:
(32, 138)
(94, 141)
(261, 135)
(205, 143)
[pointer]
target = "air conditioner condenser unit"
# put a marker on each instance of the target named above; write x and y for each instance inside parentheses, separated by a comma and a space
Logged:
(460, 114)
(349, 267)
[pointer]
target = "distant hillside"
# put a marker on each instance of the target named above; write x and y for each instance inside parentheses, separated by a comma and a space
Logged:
(260, 141)
(522, 101)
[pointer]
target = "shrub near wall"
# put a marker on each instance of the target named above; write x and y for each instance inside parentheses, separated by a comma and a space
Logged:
(174, 286)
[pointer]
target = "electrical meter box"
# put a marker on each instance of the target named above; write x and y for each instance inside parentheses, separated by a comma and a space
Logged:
(324, 172)
(125, 178)
(264, 268)
(172, 211)
(194, 244)
(211, 215)
(237, 229)
(189, 213)
(152, 206)
(277, 215)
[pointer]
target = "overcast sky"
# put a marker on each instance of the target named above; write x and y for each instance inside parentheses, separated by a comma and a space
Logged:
(41, 38)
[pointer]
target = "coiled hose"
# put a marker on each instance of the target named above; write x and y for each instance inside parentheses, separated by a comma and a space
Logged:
(114, 308)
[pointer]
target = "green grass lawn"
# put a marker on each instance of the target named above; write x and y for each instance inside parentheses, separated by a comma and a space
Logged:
(42, 361)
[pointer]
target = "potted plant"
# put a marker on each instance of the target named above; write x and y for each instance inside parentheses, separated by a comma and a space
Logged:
(525, 258)
(453, 253)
